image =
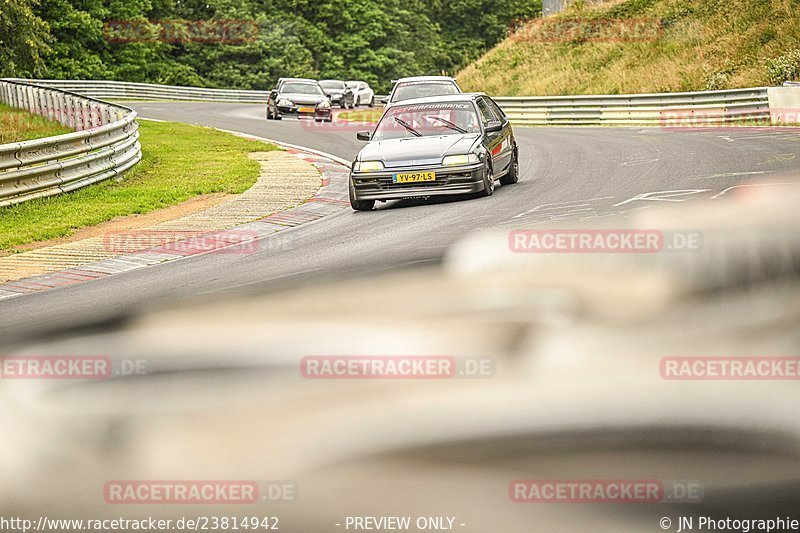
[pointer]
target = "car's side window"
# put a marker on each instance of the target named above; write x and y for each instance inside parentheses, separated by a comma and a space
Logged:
(497, 111)
(486, 113)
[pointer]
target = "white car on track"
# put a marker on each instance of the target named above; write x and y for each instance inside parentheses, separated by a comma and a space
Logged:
(362, 92)
(421, 87)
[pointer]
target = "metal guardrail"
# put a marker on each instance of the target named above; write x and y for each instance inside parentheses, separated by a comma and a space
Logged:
(664, 109)
(654, 109)
(119, 90)
(104, 145)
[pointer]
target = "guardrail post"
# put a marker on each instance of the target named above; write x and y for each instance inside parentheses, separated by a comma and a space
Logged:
(41, 101)
(70, 112)
(51, 104)
(85, 121)
(24, 99)
(30, 100)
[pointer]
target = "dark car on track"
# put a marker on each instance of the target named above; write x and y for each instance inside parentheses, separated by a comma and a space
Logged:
(298, 97)
(454, 144)
(338, 93)
(421, 87)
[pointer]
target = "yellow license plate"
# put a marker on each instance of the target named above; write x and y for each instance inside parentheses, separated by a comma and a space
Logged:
(306, 109)
(413, 177)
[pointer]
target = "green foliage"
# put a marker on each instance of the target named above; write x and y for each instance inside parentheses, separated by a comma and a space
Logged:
(23, 38)
(373, 40)
(784, 68)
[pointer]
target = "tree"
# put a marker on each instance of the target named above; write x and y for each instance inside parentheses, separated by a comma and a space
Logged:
(23, 39)
(372, 40)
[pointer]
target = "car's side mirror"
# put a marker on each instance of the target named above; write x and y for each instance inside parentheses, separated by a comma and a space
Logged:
(494, 125)
(363, 135)
(385, 100)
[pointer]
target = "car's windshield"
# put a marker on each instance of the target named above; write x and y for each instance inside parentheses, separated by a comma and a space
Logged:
(423, 89)
(301, 88)
(423, 120)
(332, 84)
(352, 84)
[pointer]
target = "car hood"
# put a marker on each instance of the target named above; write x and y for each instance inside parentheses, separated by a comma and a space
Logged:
(417, 150)
(301, 98)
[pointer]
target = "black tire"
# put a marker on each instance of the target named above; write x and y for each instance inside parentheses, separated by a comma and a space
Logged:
(359, 205)
(512, 176)
(372, 101)
(269, 115)
(343, 103)
(488, 181)
(329, 119)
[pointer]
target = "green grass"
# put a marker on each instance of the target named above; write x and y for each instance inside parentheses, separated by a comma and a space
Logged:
(362, 115)
(17, 125)
(695, 45)
(179, 162)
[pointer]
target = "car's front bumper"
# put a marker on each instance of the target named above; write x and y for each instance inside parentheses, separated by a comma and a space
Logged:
(461, 179)
(294, 111)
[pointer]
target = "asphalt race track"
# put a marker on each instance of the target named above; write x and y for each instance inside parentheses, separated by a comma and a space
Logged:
(575, 174)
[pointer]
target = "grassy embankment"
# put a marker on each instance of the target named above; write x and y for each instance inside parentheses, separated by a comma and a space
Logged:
(694, 45)
(179, 162)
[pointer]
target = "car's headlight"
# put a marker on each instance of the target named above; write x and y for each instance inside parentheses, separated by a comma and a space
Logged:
(324, 104)
(368, 166)
(283, 102)
(464, 159)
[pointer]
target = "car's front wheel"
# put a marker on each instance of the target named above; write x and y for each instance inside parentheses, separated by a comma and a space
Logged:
(488, 181)
(372, 102)
(359, 205)
(513, 173)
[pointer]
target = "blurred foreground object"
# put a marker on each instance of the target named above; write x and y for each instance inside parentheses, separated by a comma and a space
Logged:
(576, 342)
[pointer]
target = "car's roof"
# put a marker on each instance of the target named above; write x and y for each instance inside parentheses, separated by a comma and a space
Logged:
(460, 97)
(426, 78)
(341, 81)
(305, 80)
